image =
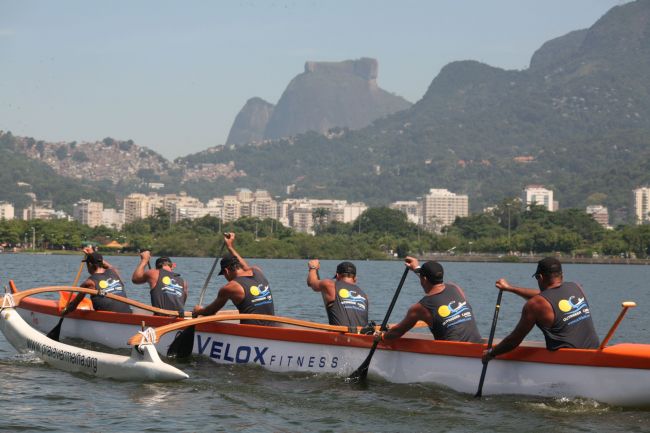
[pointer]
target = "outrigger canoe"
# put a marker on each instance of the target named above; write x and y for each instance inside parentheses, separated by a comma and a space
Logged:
(144, 364)
(617, 374)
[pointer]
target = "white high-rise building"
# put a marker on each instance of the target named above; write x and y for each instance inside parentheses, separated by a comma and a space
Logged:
(7, 211)
(88, 212)
(113, 218)
(537, 194)
(136, 206)
(412, 209)
(599, 213)
(441, 207)
(641, 204)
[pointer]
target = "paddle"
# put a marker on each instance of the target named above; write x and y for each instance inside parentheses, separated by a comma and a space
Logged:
(361, 373)
(183, 343)
(55, 333)
(625, 305)
(497, 307)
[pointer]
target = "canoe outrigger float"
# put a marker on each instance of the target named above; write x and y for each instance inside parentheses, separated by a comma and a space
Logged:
(144, 364)
(618, 374)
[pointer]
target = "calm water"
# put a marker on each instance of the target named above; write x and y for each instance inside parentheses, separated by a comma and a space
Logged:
(247, 399)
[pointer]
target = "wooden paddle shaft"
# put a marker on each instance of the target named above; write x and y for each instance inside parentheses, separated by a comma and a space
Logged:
(626, 305)
(19, 296)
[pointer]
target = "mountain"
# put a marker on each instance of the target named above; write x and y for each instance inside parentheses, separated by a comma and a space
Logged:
(250, 123)
(326, 95)
(21, 175)
(577, 120)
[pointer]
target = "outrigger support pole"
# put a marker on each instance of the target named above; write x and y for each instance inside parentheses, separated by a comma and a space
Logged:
(626, 305)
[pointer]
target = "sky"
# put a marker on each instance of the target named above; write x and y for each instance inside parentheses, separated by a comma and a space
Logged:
(172, 76)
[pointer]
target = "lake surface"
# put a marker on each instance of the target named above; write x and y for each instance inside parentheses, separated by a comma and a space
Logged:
(36, 397)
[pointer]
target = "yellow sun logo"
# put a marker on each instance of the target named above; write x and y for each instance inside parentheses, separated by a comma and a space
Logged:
(444, 311)
(564, 306)
(166, 280)
(103, 284)
(255, 291)
(344, 293)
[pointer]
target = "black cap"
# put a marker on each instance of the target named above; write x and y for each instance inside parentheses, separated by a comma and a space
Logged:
(432, 271)
(161, 261)
(346, 268)
(227, 260)
(94, 259)
(548, 265)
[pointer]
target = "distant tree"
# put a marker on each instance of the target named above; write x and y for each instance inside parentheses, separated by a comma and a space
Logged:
(108, 141)
(80, 156)
(319, 217)
(61, 152)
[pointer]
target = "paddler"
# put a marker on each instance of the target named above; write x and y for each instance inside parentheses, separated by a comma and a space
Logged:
(444, 308)
(104, 278)
(167, 289)
(346, 303)
(247, 287)
(558, 308)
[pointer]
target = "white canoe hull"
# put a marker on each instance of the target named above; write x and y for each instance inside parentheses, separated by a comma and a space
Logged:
(292, 350)
(144, 364)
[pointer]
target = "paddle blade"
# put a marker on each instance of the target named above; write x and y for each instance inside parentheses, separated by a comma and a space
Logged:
(360, 374)
(55, 333)
(183, 344)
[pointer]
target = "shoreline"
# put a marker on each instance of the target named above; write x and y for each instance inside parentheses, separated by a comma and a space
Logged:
(478, 258)
(533, 259)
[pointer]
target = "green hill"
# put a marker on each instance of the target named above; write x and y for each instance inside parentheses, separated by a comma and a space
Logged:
(581, 114)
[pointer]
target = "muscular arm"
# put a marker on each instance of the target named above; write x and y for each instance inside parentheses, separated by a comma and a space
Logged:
(529, 315)
(325, 287)
(229, 239)
(140, 276)
(415, 313)
(524, 292)
(185, 291)
(89, 284)
(229, 291)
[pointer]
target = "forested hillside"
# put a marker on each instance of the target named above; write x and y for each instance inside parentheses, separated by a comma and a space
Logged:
(578, 121)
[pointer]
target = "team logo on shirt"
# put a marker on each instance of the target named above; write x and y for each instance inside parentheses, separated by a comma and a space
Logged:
(447, 310)
(352, 299)
(261, 294)
(574, 312)
(171, 286)
(110, 285)
(567, 305)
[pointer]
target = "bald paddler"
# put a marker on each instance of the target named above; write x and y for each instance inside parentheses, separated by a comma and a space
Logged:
(104, 278)
(559, 309)
(247, 287)
(167, 289)
(346, 303)
(444, 308)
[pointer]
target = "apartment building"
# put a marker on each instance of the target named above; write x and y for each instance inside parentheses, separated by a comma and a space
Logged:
(412, 209)
(600, 214)
(441, 207)
(537, 194)
(88, 212)
(641, 205)
(7, 211)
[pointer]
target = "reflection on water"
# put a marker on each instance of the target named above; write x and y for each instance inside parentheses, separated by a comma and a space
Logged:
(242, 398)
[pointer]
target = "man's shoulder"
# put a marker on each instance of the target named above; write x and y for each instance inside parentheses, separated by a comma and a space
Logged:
(538, 303)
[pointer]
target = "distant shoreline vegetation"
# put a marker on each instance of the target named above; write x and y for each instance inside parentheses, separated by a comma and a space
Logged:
(379, 234)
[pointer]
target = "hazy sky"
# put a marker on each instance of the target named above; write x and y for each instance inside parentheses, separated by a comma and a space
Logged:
(172, 76)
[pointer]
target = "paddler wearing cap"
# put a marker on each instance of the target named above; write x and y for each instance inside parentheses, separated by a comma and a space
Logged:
(104, 278)
(444, 308)
(346, 303)
(559, 309)
(167, 289)
(247, 287)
